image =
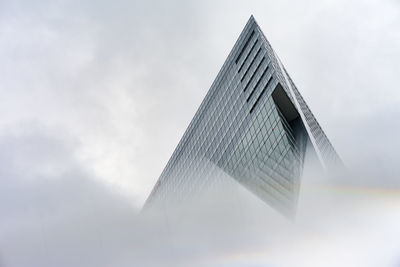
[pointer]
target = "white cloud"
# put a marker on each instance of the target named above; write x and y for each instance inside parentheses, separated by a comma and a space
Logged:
(95, 96)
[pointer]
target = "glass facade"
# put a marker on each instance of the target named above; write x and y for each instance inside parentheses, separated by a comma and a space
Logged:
(253, 125)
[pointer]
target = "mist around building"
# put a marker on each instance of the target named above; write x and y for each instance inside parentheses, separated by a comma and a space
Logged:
(95, 96)
(339, 222)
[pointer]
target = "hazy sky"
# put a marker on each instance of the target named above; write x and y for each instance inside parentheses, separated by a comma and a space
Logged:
(95, 95)
(117, 84)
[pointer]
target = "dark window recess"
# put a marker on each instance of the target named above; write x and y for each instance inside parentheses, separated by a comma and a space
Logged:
(244, 47)
(251, 64)
(259, 80)
(261, 94)
(251, 78)
(251, 50)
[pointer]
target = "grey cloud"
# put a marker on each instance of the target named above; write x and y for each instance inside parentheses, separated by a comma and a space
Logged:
(70, 219)
(95, 96)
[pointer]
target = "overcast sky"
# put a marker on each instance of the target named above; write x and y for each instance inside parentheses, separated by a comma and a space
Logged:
(95, 95)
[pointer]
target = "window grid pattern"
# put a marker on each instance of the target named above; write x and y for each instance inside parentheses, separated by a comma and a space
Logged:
(240, 130)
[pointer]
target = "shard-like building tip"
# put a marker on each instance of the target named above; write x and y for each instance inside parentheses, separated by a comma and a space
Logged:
(253, 126)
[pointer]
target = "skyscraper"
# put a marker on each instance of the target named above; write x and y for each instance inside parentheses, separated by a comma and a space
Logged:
(253, 125)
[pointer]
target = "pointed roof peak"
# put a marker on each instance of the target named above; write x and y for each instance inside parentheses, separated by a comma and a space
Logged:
(252, 20)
